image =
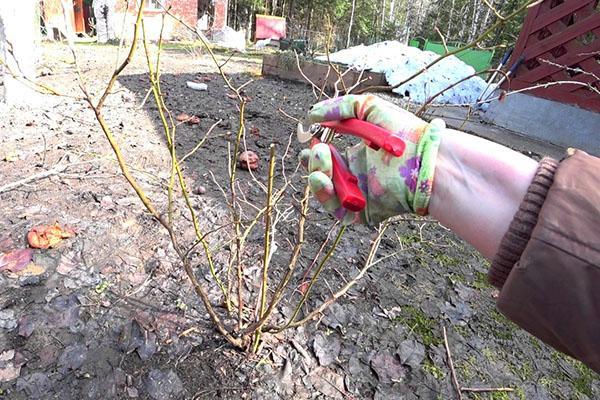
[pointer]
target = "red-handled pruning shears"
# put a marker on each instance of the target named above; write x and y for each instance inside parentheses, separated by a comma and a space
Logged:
(345, 183)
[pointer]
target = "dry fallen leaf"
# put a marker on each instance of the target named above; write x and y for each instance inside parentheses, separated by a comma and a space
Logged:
(30, 269)
(183, 117)
(48, 236)
(16, 260)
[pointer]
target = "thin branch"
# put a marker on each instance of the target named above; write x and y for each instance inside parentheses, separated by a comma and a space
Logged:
(267, 242)
(41, 175)
(191, 152)
(451, 365)
(315, 276)
(307, 79)
(441, 35)
(127, 60)
(333, 298)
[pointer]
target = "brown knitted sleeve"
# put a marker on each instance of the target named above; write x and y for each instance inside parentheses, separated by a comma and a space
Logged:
(515, 239)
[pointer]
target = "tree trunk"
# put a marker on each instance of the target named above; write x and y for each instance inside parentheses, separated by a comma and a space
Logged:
(392, 10)
(449, 30)
(351, 23)
(407, 21)
(486, 19)
(383, 10)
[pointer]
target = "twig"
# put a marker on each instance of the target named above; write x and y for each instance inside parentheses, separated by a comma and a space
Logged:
(307, 79)
(267, 243)
(368, 264)
(457, 387)
(36, 177)
(288, 115)
(441, 35)
(315, 276)
(451, 365)
(201, 142)
(487, 390)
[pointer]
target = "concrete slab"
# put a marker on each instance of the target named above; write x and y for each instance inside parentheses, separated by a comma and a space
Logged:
(460, 118)
(560, 124)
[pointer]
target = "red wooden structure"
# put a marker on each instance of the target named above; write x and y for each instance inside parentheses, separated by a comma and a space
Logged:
(566, 33)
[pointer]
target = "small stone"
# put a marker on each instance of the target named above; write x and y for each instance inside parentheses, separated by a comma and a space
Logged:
(10, 368)
(35, 385)
(107, 202)
(132, 392)
(73, 356)
(7, 319)
(200, 190)
(26, 326)
(248, 160)
(194, 120)
(411, 353)
(163, 385)
(326, 349)
(387, 367)
(182, 117)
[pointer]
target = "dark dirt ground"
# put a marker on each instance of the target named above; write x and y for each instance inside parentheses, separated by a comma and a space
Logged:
(113, 316)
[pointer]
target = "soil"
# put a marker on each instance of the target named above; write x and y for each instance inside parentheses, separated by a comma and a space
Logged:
(113, 316)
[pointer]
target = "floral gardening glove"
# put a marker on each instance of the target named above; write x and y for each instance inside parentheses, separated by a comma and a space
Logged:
(391, 185)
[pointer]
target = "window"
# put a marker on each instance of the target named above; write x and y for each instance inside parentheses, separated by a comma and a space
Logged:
(153, 4)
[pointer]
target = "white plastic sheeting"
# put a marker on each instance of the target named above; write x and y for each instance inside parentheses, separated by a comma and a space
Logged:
(399, 61)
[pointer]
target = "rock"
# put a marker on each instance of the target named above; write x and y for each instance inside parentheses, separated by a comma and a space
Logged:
(248, 160)
(36, 385)
(9, 367)
(200, 190)
(194, 120)
(163, 385)
(73, 357)
(26, 326)
(134, 337)
(458, 314)
(338, 316)
(182, 117)
(411, 353)
(387, 367)
(326, 348)
(132, 392)
(7, 319)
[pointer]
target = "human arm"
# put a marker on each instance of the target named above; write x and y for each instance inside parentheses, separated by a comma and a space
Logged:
(538, 222)
(478, 187)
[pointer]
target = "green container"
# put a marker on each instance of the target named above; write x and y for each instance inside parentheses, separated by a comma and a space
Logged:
(478, 59)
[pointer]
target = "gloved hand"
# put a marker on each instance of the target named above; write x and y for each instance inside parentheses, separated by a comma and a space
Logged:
(391, 185)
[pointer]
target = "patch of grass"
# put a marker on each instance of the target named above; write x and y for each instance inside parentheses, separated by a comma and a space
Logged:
(583, 383)
(433, 370)
(520, 393)
(446, 260)
(546, 382)
(467, 368)
(499, 396)
(409, 238)
(489, 354)
(523, 370)
(480, 282)
(422, 325)
(535, 342)
(456, 278)
(463, 330)
(506, 328)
